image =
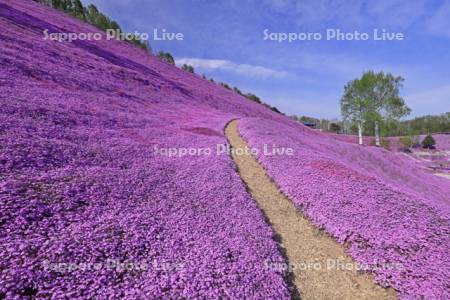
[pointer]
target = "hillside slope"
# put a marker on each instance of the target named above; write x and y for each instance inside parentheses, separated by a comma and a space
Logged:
(88, 208)
(91, 208)
(391, 215)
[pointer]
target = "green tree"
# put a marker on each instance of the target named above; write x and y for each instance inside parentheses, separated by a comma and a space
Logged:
(307, 119)
(237, 90)
(225, 85)
(334, 127)
(113, 25)
(103, 22)
(389, 106)
(428, 142)
(354, 104)
(373, 98)
(253, 97)
(385, 104)
(78, 9)
(58, 4)
(92, 14)
(167, 57)
(406, 142)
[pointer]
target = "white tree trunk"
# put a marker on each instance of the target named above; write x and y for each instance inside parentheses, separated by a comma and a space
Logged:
(360, 129)
(377, 134)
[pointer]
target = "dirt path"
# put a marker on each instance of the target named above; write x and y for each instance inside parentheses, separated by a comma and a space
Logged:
(314, 256)
(443, 175)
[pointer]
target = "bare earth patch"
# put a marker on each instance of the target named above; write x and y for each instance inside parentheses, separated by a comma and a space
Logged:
(320, 267)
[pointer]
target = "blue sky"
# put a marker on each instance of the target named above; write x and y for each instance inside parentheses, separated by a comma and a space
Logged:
(225, 40)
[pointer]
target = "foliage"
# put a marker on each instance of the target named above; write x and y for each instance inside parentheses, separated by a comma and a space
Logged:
(428, 142)
(256, 99)
(188, 68)
(93, 16)
(334, 127)
(225, 85)
(406, 142)
(354, 103)
(412, 127)
(167, 57)
(238, 91)
(421, 125)
(253, 97)
(306, 119)
(273, 108)
(374, 98)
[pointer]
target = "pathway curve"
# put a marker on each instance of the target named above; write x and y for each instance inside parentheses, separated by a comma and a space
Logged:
(316, 259)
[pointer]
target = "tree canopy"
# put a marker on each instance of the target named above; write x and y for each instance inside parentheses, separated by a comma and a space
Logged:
(188, 68)
(373, 98)
(167, 57)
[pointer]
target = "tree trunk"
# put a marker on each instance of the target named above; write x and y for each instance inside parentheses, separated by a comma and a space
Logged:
(360, 129)
(377, 134)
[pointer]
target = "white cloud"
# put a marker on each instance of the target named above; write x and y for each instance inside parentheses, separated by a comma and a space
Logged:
(227, 65)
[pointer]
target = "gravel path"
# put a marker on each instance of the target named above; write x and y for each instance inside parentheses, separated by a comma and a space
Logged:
(320, 267)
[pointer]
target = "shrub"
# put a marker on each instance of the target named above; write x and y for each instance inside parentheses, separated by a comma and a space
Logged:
(428, 142)
(188, 68)
(253, 97)
(406, 142)
(225, 85)
(237, 90)
(335, 127)
(167, 57)
(276, 110)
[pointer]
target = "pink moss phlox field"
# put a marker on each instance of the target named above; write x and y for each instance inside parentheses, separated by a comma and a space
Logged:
(88, 209)
(431, 160)
(442, 140)
(389, 213)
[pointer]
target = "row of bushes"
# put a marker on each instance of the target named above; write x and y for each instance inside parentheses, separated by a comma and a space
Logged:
(408, 142)
(422, 125)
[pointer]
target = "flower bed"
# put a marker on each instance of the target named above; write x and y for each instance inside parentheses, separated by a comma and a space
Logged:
(389, 213)
(88, 209)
